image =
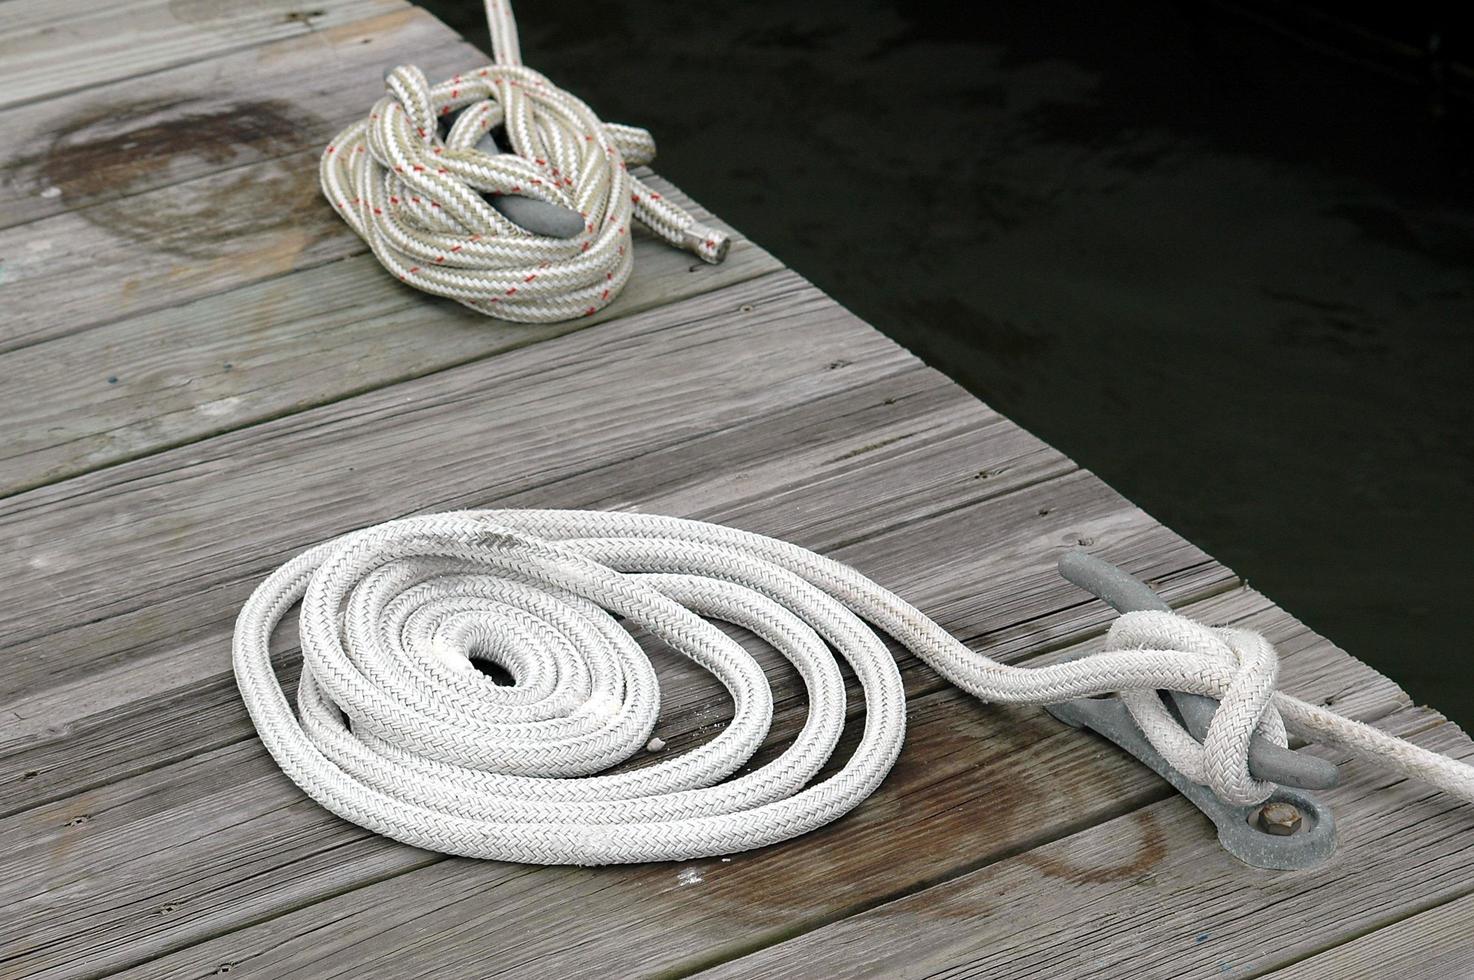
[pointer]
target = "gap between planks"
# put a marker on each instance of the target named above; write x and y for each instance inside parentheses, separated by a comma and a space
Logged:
(388, 334)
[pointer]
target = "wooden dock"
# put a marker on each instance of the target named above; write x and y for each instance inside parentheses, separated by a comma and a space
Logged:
(205, 372)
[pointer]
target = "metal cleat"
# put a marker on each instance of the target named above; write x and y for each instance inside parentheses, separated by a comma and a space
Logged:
(1289, 831)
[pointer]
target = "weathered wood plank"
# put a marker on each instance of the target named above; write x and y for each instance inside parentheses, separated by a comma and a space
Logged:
(160, 534)
(169, 377)
(1150, 894)
(976, 783)
(260, 108)
(51, 47)
(197, 240)
(1434, 945)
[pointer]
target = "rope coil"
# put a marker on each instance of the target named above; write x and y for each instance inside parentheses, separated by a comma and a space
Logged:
(424, 183)
(399, 733)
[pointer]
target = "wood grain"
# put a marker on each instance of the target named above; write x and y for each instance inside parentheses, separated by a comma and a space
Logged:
(52, 47)
(180, 374)
(1434, 945)
(161, 533)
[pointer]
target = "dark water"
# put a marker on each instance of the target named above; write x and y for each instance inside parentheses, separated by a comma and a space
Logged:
(1230, 272)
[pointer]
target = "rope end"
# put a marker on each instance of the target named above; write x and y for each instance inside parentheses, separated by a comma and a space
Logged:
(708, 243)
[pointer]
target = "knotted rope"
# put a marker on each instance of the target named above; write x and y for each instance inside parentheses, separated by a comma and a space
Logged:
(399, 732)
(424, 183)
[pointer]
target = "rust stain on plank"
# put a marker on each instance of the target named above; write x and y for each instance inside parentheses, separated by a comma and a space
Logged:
(1149, 850)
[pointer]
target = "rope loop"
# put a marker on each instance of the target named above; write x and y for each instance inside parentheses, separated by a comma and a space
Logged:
(537, 234)
(1246, 704)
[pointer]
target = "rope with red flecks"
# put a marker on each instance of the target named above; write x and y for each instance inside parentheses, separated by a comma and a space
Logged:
(419, 180)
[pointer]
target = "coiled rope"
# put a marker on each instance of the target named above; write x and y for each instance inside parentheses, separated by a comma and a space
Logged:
(399, 733)
(441, 208)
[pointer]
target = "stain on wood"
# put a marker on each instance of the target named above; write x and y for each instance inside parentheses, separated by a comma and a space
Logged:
(111, 151)
(1149, 850)
(1196, 912)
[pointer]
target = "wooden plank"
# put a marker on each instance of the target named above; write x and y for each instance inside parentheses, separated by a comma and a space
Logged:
(201, 238)
(264, 105)
(1150, 894)
(180, 374)
(161, 534)
(1432, 945)
(51, 47)
(975, 783)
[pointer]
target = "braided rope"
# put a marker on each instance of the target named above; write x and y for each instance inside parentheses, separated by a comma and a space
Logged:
(399, 733)
(426, 201)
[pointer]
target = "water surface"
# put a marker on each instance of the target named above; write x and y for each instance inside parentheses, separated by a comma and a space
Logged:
(1230, 273)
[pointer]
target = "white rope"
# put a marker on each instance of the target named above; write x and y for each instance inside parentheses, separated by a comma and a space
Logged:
(398, 731)
(419, 197)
